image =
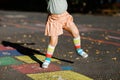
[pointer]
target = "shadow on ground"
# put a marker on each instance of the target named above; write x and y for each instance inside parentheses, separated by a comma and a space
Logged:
(29, 52)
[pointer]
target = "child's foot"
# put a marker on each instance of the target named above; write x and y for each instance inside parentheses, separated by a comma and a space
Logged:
(45, 64)
(82, 53)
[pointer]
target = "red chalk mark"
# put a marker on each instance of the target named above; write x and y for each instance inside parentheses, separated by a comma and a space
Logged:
(95, 40)
(27, 27)
(6, 48)
(114, 37)
(102, 41)
(34, 68)
(86, 29)
(99, 29)
(41, 28)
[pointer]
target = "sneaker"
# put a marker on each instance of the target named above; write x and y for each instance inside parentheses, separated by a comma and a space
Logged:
(45, 64)
(82, 53)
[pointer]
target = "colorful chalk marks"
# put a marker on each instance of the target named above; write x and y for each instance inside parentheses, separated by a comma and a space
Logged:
(59, 75)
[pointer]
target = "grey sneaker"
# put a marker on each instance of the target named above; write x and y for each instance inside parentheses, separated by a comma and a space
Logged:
(45, 64)
(82, 53)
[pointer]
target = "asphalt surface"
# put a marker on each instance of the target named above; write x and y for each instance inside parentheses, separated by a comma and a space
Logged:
(24, 31)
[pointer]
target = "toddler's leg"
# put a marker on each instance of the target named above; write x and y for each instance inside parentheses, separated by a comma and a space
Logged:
(77, 40)
(50, 51)
(77, 43)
